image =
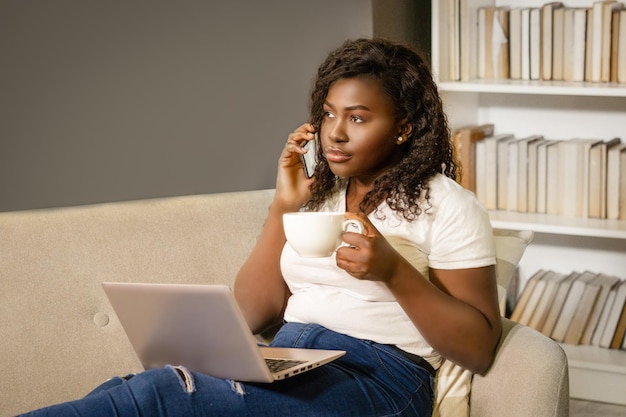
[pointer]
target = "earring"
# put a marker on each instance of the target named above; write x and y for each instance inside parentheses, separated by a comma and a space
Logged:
(400, 139)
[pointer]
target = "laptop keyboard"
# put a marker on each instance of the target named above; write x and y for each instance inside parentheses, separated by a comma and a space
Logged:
(277, 365)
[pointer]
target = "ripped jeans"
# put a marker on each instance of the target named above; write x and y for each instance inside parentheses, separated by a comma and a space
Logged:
(370, 380)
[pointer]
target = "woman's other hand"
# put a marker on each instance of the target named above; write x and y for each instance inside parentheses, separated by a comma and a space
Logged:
(369, 256)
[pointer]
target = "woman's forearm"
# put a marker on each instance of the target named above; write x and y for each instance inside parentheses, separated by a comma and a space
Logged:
(259, 287)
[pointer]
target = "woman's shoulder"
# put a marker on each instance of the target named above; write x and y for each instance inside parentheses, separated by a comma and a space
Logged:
(443, 188)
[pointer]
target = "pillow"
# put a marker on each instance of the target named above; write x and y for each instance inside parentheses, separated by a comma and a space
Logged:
(452, 389)
(453, 383)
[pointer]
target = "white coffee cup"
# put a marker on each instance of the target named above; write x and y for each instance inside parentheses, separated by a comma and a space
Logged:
(317, 234)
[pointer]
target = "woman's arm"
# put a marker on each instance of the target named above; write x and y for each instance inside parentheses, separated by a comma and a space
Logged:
(456, 310)
(259, 288)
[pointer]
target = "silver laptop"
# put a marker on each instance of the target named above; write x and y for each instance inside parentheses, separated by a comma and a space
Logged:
(202, 328)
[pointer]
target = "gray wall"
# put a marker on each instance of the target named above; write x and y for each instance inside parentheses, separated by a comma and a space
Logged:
(129, 99)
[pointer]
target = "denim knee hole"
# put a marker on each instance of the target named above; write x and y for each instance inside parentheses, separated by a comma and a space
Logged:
(237, 387)
(185, 378)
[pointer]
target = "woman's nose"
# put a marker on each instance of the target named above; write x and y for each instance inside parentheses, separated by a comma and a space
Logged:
(337, 133)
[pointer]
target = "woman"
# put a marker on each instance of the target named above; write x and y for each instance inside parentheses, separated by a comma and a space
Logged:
(416, 286)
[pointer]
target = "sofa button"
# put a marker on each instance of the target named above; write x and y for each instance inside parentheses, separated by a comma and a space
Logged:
(101, 319)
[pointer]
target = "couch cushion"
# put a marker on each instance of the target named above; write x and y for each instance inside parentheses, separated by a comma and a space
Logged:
(60, 337)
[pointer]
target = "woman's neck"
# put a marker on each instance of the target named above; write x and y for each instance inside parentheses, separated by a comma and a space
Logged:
(355, 193)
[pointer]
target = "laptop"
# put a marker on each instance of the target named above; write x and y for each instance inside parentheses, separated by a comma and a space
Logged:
(202, 328)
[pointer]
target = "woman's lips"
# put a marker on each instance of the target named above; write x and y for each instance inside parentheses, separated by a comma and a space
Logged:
(336, 155)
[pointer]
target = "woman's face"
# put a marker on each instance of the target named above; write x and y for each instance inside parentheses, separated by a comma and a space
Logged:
(359, 129)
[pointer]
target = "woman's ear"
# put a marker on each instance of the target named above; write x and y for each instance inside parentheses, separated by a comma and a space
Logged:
(406, 129)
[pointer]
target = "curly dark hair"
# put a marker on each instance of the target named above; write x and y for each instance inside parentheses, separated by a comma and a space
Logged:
(406, 77)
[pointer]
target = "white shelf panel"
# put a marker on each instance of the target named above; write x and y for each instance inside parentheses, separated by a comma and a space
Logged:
(558, 88)
(596, 358)
(597, 374)
(558, 225)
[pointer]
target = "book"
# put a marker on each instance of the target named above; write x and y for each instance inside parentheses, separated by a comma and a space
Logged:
(522, 171)
(493, 43)
(552, 280)
(522, 302)
(579, 44)
(595, 44)
(558, 26)
(568, 187)
(607, 19)
(606, 310)
(582, 314)
(547, 34)
(481, 53)
(621, 49)
(535, 43)
(574, 176)
(572, 300)
(553, 178)
(614, 185)
(574, 39)
(454, 40)
(515, 43)
(468, 12)
(491, 169)
(502, 150)
(585, 147)
(605, 284)
(597, 177)
(557, 304)
(530, 307)
(620, 330)
(590, 37)
(532, 173)
(466, 151)
(601, 11)
(614, 45)
(480, 171)
(512, 174)
(568, 43)
(614, 316)
(500, 44)
(622, 187)
(542, 173)
(525, 44)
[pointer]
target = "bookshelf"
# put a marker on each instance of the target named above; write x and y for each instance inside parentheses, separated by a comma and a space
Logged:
(558, 110)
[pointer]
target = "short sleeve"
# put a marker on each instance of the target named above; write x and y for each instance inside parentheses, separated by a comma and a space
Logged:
(461, 233)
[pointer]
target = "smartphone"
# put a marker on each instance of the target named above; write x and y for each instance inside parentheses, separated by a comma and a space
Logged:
(309, 159)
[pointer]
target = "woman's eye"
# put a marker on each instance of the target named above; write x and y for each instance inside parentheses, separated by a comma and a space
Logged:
(328, 115)
(357, 119)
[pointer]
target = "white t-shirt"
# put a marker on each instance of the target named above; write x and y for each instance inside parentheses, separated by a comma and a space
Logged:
(454, 233)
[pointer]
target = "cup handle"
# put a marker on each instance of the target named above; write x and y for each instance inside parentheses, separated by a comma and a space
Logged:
(355, 223)
(352, 224)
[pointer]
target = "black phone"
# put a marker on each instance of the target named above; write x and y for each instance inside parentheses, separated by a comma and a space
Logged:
(309, 159)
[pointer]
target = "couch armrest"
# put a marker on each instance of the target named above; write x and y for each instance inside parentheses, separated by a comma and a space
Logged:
(529, 377)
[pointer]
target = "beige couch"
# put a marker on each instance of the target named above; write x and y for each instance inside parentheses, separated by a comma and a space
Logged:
(60, 337)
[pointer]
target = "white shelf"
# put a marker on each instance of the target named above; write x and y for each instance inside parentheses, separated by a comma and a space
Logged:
(598, 358)
(597, 374)
(557, 88)
(558, 225)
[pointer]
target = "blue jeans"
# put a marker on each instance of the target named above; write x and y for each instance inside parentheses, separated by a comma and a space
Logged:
(370, 380)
